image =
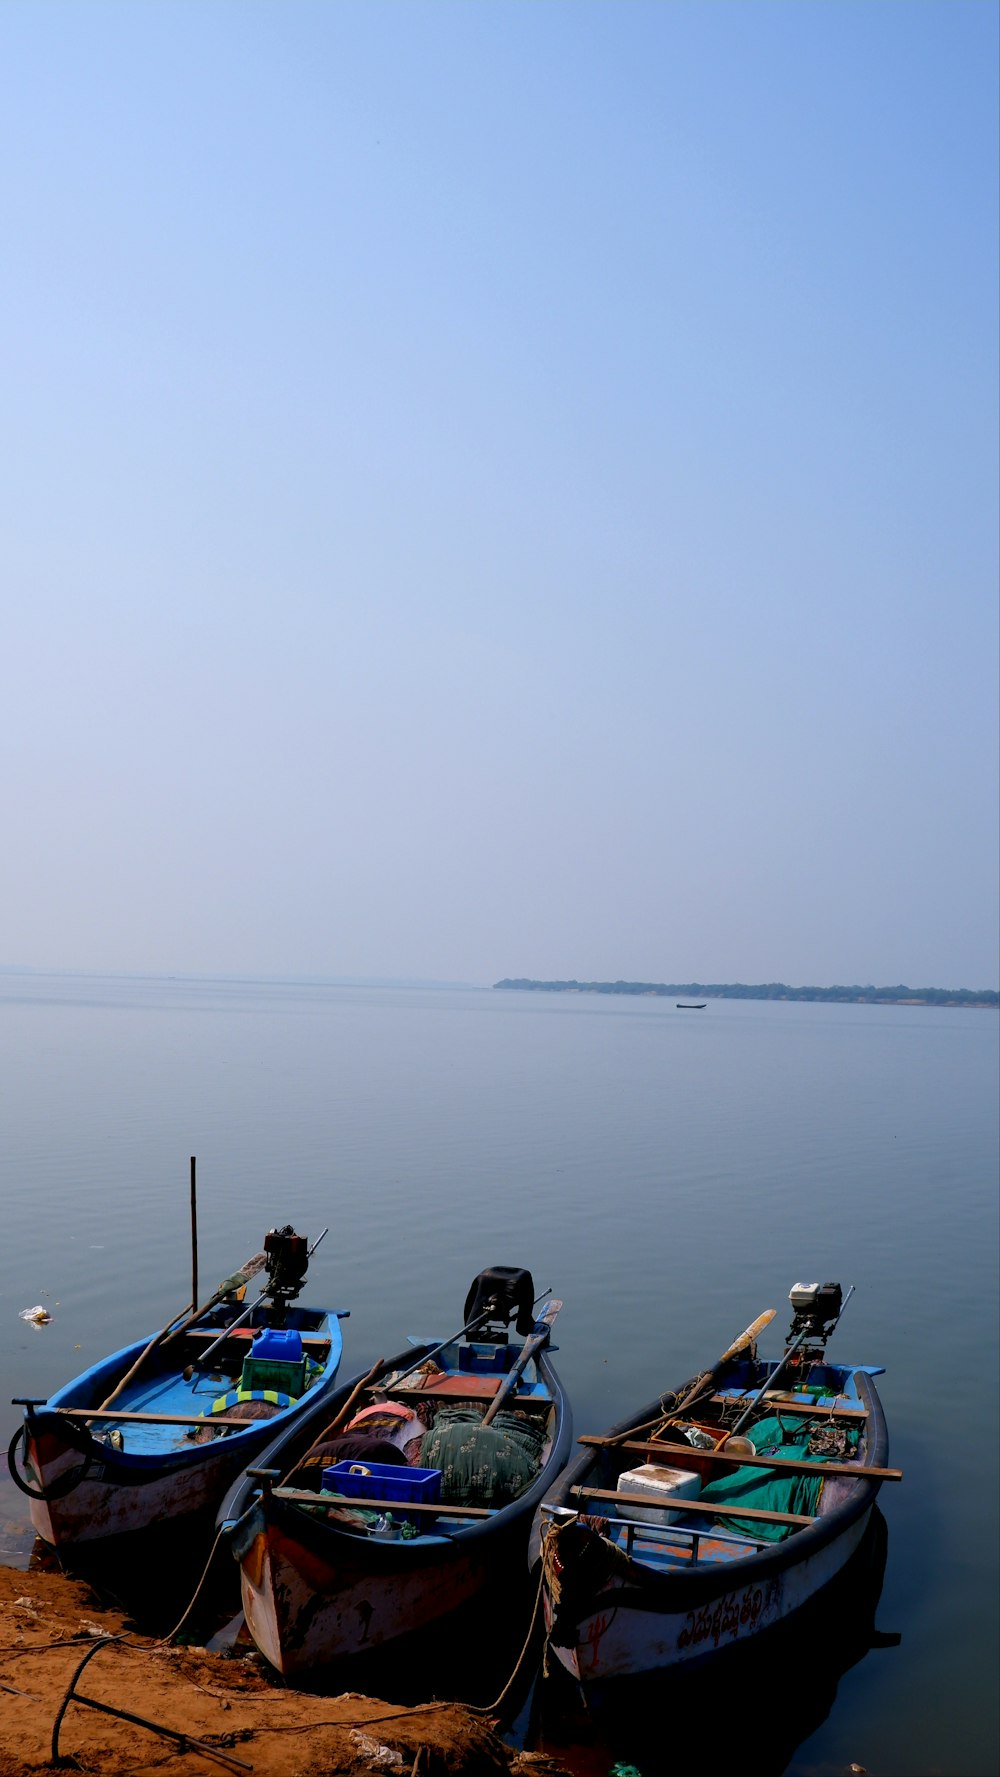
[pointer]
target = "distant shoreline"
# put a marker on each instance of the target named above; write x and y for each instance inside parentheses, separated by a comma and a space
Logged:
(983, 999)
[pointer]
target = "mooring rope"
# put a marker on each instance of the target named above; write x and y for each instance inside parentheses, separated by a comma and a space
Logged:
(164, 1639)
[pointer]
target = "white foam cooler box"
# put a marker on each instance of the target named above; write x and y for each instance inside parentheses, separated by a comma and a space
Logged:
(664, 1486)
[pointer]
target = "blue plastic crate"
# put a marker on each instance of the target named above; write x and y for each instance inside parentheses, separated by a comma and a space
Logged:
(390, 1481)
(486, 1360)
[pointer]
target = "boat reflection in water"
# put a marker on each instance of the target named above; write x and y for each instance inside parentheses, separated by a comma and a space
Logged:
(764, 1697)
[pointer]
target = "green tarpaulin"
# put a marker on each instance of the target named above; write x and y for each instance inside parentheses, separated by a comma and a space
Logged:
(771, 1492)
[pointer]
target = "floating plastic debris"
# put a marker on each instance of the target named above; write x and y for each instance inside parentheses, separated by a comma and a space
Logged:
(37, 1316)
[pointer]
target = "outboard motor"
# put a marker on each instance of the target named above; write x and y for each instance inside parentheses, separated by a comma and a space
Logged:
(816, 1311)
(287, 1258)
(499, 1294)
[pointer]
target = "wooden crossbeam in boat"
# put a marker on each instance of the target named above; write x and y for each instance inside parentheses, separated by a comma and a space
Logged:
(784, 1405)
(709, 1507)
(154, 1418)
(310, 1341)
(301, 1496)
(458, 1398)
(787, 1464)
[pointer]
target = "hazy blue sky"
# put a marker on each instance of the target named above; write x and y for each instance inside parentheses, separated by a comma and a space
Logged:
(500, 489)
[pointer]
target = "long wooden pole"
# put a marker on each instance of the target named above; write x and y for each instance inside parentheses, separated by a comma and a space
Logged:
(194, 1229)
(141, 1359)
(538, 1337)
(227, 1287)
(697, 1386)
(338, 1419)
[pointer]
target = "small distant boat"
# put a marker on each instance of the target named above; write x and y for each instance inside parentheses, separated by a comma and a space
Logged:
(156, 1432)
(339, 1556)
(673, 1538)
(691, 1005)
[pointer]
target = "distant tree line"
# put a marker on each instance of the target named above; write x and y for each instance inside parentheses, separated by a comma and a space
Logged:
(771, 990)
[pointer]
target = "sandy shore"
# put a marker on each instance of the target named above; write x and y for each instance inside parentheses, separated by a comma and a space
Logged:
(48, 1623)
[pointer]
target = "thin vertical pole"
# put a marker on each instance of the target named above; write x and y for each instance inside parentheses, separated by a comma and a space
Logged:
(194, 1231)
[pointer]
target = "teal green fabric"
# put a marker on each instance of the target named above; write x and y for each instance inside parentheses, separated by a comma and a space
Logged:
(771, 1492)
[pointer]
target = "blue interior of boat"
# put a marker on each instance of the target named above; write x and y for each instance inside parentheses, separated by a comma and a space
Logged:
(665, 1546)
(828, 1384)
(160, 1387)
(682, 1542)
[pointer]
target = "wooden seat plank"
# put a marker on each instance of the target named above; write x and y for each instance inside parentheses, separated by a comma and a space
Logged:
(787, 1464)
(310, 1341)
(456, 1397)
(301, 1496)
(153, 1418)
(710, 1508)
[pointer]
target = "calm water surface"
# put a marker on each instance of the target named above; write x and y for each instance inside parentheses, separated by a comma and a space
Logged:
(670, 1174)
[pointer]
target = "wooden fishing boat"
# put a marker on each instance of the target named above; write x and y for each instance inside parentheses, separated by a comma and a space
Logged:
(157, 1431)
(390, 1550)
(673, 1537)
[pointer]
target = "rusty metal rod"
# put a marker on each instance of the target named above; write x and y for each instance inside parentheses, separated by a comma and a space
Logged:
(155, 1727)
(140, 1721)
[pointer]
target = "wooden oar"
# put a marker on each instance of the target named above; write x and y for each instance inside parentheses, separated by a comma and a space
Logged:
(227, 1287)
(707, 1379)
(747, 1338)
(337, 1421)
(141, 1359)
(166, 1337)
(538, 1337)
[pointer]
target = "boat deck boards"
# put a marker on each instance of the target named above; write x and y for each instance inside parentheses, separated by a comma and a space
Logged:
(654, 1552)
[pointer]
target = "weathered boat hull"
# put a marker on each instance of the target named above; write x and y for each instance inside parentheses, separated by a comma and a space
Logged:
(636, 1620)
(315, 1594)
(115, 1498)
(627, 1636)
(630, 1717)
(304, 1614)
